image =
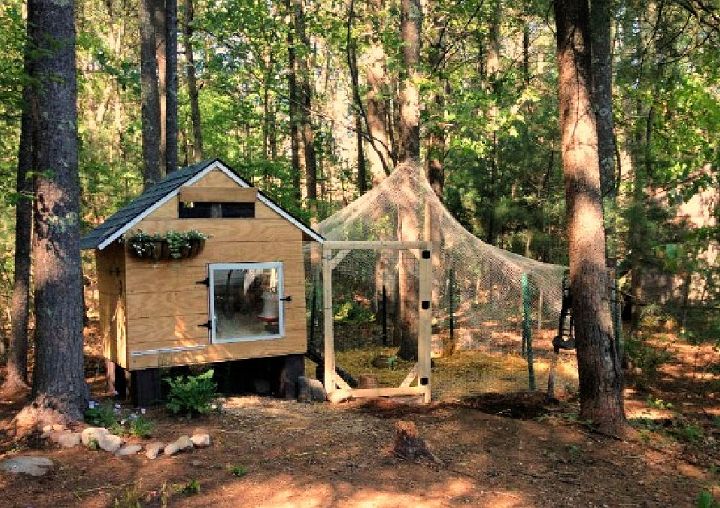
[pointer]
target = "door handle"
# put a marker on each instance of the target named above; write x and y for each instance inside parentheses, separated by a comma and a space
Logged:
(286, 299)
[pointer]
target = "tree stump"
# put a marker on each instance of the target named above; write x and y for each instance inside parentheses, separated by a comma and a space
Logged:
(367, 381)
(409, 445)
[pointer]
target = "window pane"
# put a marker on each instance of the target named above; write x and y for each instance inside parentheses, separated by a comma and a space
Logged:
(238, 210)
(246, 302)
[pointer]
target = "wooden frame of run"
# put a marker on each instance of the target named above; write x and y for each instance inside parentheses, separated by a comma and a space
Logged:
(421, 370)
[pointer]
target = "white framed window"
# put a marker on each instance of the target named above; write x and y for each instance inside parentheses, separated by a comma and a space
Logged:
(246, 301)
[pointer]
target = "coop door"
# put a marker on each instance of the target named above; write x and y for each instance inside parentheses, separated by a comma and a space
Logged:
(246, 301)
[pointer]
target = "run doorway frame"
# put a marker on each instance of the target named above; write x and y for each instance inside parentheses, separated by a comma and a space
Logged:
(421, 371)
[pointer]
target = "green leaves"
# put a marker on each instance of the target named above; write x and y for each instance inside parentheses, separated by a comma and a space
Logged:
(191, 395)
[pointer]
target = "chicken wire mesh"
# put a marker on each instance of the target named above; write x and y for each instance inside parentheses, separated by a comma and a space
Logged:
(477, 291)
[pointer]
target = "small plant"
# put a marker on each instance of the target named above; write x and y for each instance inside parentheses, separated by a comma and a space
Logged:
(93, 444)
(141, 427)
(102, 415)
(177, 243)
(646, 357)
(190, 488)
(191, 395)
(658, 403)
(688, 432)
(130, 497)
(706, 500)
(238, 470)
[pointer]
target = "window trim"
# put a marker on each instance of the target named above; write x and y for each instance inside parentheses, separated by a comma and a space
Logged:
(278, 265)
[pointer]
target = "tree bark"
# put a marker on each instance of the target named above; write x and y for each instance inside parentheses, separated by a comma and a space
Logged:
(188, 28)
(161, 61)
(598, 366)
(171, 92)
(16, 376)
(410, 29)
(351, 51)
(298, 164)
(58, 376)
(307, 134)
(149, 97)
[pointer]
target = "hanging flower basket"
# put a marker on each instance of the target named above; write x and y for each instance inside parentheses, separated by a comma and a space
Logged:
(173, 245)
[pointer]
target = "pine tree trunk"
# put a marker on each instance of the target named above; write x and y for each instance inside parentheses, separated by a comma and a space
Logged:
(161, 62)
(293, 108)
(149, 96)
(598, 366)
(307, 135)
(16, 376)
(171, 80)
(58, 376)
(193, 95)
(411, 26)
(351, 53)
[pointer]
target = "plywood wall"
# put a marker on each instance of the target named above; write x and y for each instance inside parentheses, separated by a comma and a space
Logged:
(165, 305)
(113, 316)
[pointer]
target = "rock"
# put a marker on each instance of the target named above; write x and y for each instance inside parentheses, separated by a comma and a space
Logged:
(110, 442)
(339, 396)
(93, 434)
(200, 439)
(367, 381)
(153, 449)
(129, 450)
(34, 466)
(182, 443)
(66, 439)
(310, 390)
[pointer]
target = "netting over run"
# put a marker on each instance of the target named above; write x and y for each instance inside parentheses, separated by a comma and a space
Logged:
(477, 288)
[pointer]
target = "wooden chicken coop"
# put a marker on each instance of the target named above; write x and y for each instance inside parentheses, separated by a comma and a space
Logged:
(201, 268)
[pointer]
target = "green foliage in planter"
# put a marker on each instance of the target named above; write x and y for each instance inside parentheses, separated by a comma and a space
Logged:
(179, 243)
(191, 394)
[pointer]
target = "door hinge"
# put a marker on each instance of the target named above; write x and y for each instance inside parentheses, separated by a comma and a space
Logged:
(204, 282)
(207, 325)
(286, 299)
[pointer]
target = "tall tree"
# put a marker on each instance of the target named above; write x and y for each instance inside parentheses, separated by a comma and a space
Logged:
(598, 366)
(191, 78)
(351, 55)
(171, 84)
(149, 96)
(410, 29)
(298, 162)
(16, 377)
(58, 380)
(307, 134)
(159, 24)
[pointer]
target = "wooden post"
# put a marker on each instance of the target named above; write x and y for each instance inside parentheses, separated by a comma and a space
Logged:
(384, 316)
(425, 321)
(329, 356)
(527, 329)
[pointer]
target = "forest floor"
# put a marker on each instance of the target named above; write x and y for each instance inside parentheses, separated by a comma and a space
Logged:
(493, 450)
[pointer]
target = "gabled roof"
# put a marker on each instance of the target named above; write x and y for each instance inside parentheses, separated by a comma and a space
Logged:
(160, 193)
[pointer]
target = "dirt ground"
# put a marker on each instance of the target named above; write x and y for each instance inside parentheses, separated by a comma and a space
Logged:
(494, 450)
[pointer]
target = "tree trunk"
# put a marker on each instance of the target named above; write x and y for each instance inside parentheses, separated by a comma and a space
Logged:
(197, 146)
(171, 93)
(410, 29)
(293, 107)
(598, 366)
(161, 61)
(16, 376)
(351, 53)
(58, 376)
(149, 97)
(307, 135)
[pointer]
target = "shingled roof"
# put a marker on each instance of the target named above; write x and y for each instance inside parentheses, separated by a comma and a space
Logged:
(132, 213)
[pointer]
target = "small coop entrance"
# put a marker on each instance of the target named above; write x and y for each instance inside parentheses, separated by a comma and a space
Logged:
(418, 379)
(246, 301)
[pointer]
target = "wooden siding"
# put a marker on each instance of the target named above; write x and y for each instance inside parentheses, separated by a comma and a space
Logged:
(110, 264)
(165, 304)
(217, 194)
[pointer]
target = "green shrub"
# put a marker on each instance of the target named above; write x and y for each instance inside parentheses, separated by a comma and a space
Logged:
(141, 427)
(190, 488)
(102, 415)
(238, 470)
(191, 394)
(706, 500)
(646, 357)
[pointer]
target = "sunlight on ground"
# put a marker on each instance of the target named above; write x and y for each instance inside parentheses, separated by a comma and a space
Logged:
(466, 373)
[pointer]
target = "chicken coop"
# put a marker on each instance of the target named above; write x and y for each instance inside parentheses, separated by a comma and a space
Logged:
(201, 268)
